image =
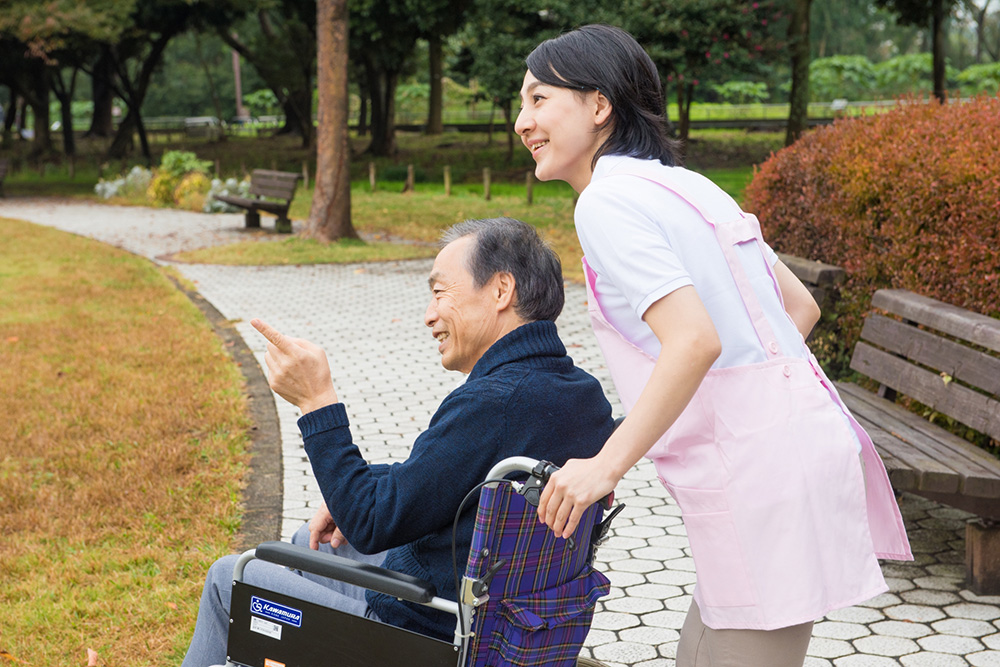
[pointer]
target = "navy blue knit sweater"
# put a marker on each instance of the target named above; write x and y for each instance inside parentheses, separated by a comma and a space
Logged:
(524, 397)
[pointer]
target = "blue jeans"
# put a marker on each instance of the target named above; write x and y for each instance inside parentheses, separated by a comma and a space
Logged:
(208, 645)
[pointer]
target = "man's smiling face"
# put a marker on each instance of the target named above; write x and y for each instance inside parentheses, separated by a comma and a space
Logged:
(462, 318)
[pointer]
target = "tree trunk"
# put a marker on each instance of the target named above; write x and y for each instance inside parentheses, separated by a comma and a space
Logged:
(938, 41)
(505, 108)
(10, 115)
(134, 94)
(382, 85)
(363, 114)
(798, 39)
(42, 143)
(102, 84)
(435, 124)
(684, 94)
(330, 215)
(65, 95)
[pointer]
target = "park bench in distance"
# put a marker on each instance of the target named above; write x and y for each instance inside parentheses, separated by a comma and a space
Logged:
(821, 279)
(948, 359)
(270, 191)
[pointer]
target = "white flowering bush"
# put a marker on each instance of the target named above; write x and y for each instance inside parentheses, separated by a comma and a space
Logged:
(230, 187)
(134, 183)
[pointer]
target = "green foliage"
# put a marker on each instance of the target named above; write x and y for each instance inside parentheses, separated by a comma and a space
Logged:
(178, 163)
(976, 79)
(262, 102)
(741, 92)
(850, 77)
(905, 199)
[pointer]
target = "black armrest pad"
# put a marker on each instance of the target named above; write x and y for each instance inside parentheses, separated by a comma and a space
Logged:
(367, 576)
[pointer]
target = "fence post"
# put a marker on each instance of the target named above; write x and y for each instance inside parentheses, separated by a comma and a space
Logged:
(409, 179)
(305, 173)
(529, 186)
(218, 168)
(371, 175)
(72, 167)
(274, 164)
(486, 183)
(447, 181)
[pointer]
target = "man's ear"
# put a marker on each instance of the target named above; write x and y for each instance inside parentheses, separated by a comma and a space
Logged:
(504, 287)
(603, 108)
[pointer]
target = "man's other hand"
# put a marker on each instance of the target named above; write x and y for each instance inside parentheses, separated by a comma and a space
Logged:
(298, 370)
(323, 530)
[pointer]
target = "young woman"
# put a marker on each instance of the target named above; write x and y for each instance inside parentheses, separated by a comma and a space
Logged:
(703, 330)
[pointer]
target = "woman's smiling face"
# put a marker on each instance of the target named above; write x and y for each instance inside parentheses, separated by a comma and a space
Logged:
(563, 128)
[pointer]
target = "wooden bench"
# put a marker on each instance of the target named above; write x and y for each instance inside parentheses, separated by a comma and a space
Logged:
(3, 174)
(270, 191)
(947, 359)
(821, 279)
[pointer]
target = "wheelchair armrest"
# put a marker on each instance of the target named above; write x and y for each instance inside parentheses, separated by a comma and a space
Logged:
(372, 577)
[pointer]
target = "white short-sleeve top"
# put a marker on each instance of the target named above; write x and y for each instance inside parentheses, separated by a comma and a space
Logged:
(644, 241)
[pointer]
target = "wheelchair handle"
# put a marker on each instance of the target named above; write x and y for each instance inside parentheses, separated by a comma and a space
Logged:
(512, 464)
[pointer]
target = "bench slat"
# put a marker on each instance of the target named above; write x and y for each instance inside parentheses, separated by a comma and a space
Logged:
(902, 475)
(971, 408)
(952, 320)
(974, 471)
(908, 447)
(267, 190)
(813, 272)
(963, 363)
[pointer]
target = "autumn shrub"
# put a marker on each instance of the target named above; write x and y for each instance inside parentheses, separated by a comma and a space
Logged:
(174, 167)
(191, 191)
(907, 199)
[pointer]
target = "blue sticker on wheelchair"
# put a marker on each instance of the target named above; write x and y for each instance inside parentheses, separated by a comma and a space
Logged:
(275, 611)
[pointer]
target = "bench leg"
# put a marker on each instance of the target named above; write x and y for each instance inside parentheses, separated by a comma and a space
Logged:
(982, 556)
(283, 225)
(253, 219)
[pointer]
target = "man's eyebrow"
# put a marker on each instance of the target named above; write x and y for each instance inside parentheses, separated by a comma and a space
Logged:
(434, 277)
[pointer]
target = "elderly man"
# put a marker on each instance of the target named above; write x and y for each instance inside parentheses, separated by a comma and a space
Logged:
(496, 290)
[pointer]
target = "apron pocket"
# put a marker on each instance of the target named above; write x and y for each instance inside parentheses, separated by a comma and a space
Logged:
(723, 579)
(548, 627)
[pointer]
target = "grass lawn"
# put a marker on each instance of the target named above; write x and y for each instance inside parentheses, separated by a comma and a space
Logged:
(120, 457)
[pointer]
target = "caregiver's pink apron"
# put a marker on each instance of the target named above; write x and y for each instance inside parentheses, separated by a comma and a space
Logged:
(766, 473)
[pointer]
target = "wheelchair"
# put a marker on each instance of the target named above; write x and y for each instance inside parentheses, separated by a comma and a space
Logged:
(526, 597)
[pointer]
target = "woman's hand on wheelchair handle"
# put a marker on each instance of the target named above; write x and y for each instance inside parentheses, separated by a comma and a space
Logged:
(570, 491)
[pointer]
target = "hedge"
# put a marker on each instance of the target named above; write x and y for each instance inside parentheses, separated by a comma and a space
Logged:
(907, 199)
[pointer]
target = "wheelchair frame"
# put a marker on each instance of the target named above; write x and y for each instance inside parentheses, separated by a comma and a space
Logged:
(248, 643)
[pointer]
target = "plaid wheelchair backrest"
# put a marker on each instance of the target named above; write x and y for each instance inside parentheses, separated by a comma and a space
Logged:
(541, 601)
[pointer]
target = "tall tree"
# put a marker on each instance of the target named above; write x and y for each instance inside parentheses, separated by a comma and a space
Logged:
(330, 215)
(279, 40)
(798, 99)
(932, 13)
(437, 19)
(703, 41)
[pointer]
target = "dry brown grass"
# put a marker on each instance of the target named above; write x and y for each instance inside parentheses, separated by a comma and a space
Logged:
(121, 453)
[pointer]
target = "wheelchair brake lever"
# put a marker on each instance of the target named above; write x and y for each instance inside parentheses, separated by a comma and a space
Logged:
(600, 532)
(482, 584)
(532, 488)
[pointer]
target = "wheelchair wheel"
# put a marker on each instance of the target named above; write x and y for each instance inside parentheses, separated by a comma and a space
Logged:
(589, 662)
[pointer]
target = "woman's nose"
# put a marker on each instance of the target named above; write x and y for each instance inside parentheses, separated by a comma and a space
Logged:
(523, 123)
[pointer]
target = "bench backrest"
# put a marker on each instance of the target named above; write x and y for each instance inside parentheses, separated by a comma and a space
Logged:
(821, 279)
(274, 184)
(946, 357)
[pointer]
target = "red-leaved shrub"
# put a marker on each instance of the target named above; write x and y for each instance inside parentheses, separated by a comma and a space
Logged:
(907, 199)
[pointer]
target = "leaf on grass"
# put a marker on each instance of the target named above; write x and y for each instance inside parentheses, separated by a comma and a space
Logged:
(91, 658)
(7, 656)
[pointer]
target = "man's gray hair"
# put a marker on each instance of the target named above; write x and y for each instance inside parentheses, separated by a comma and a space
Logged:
(514, 247)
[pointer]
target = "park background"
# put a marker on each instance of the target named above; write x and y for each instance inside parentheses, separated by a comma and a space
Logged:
(135, 102)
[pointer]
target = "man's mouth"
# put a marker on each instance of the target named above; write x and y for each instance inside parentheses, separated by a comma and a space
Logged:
(441, 337)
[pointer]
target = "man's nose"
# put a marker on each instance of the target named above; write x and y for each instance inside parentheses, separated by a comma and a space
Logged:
(430, 315)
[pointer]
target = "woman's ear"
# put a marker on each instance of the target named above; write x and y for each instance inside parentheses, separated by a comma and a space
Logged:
(602, 110)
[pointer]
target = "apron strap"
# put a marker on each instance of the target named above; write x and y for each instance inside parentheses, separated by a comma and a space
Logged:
(730, 234)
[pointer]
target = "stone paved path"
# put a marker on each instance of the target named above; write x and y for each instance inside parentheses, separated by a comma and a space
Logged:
(369, 319)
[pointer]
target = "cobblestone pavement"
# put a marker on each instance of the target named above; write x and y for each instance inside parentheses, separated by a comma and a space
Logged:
(369, 319)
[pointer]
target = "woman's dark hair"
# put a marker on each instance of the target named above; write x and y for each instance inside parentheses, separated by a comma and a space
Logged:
(609, 60)
(512, 246)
